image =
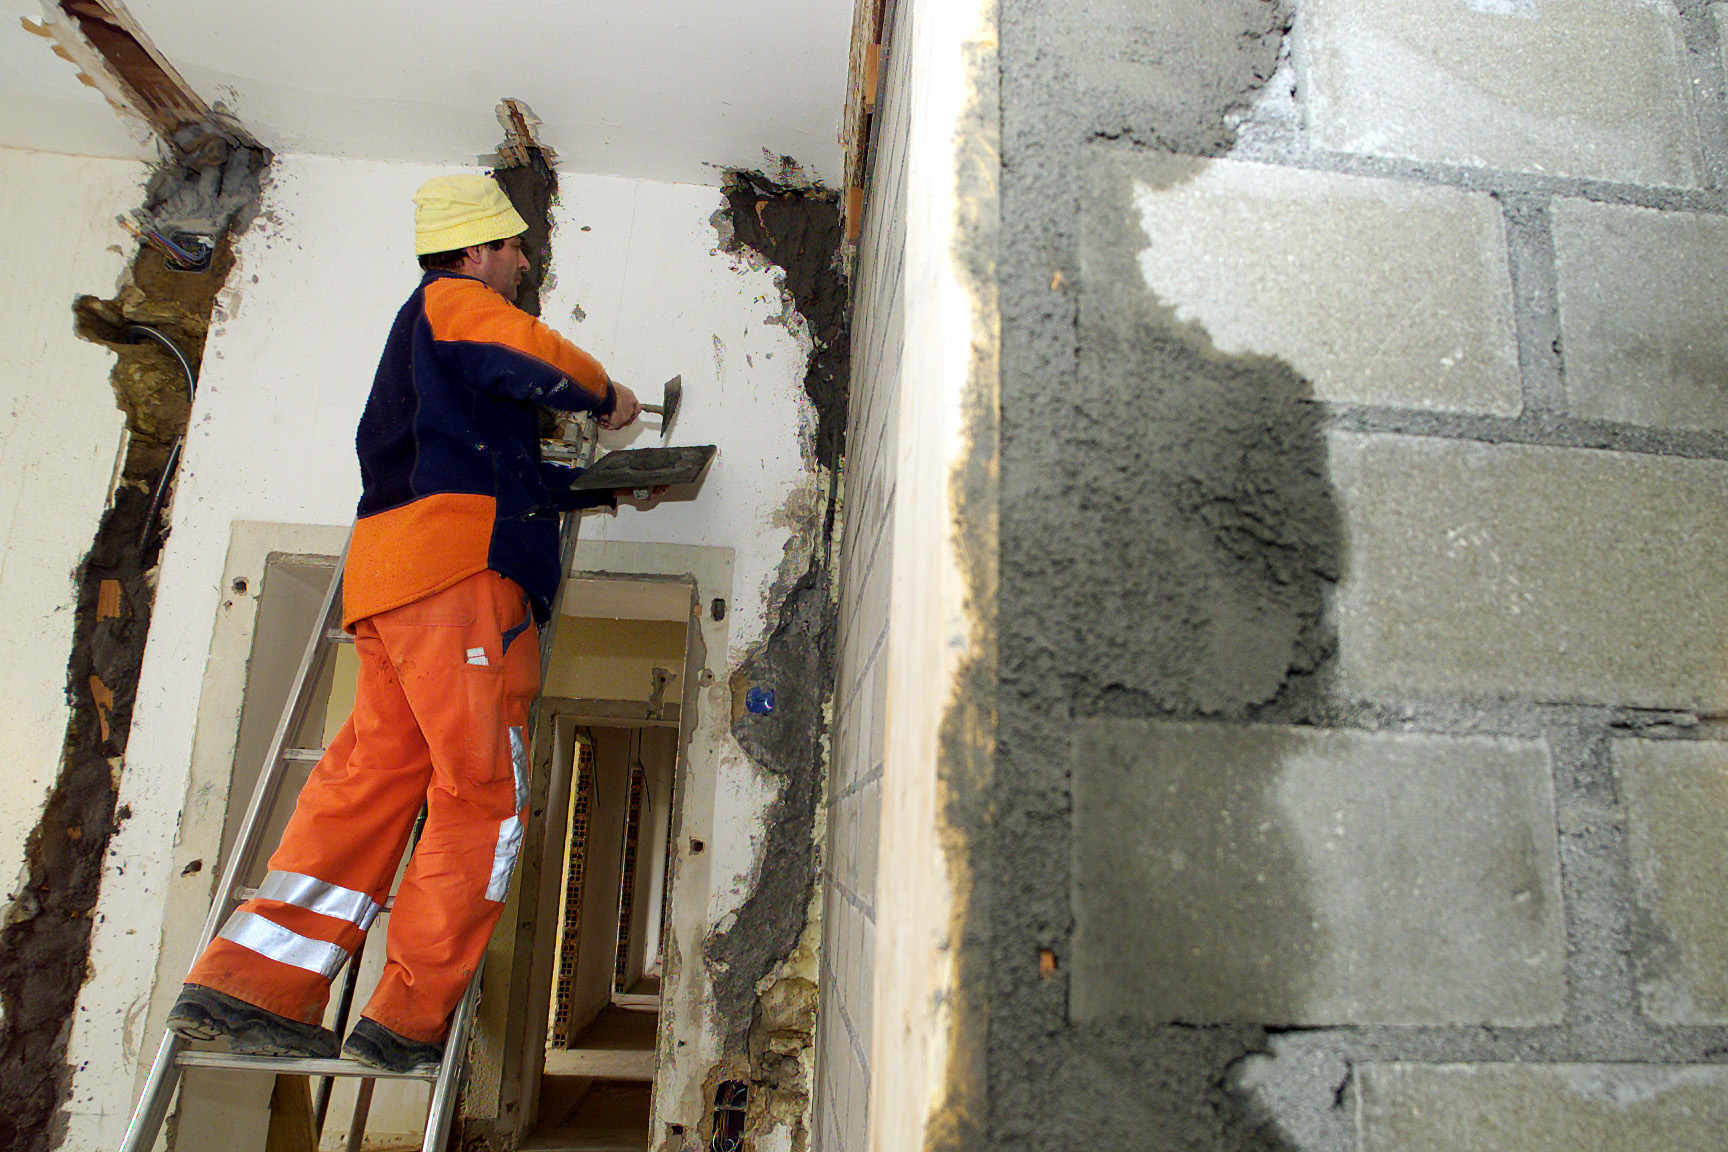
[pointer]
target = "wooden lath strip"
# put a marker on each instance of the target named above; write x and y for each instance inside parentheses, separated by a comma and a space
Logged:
(112, 42)
(869, 17)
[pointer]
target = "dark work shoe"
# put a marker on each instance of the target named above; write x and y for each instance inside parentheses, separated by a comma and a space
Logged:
(205, 1014)
(376, 1046)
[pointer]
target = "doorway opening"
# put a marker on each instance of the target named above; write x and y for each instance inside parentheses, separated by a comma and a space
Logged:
(613, 713)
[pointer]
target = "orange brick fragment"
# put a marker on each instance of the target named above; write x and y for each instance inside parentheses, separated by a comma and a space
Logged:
(104, 698)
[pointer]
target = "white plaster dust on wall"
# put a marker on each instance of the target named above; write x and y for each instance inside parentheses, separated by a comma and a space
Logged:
(285, 375)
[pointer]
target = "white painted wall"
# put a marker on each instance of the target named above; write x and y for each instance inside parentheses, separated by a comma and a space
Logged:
(46, 108)
(289, 361)
(658, 89)
(60, 435)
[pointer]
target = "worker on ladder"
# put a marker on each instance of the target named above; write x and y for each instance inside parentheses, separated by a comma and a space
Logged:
(452, 565)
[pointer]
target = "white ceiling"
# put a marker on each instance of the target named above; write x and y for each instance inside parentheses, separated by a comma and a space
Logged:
(671, 90)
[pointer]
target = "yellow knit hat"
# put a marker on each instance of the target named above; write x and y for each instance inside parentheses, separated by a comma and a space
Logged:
(453, 212)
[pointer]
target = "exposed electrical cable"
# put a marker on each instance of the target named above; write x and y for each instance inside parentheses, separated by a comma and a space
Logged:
(134, 333)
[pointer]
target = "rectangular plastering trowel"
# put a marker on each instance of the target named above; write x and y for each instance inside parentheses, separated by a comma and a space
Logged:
(641, 470)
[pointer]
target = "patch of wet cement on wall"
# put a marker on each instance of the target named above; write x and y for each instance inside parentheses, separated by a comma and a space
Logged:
(798, 231)
(532, 188)
(1168, 543)
(767, 1024)
(44, 944)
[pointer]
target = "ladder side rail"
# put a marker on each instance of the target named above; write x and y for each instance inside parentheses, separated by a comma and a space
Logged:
(269, 783)
(164, 1075)
(568, 532)
(442, 1107)
(152, 1107)
(344, 1005)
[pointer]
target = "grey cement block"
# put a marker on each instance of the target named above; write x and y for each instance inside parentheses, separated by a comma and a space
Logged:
(1643, 314)
(1376, 291)
(1551, 574)
(1592, 88)
(1229, 872)
(1676, 797)
(1543, 1108)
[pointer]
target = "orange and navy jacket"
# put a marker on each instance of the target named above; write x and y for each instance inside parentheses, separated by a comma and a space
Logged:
(450, 468)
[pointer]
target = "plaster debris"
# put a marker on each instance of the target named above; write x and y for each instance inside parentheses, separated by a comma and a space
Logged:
(45, 942)
(781, 690)
(1183, 489)
(798, 231)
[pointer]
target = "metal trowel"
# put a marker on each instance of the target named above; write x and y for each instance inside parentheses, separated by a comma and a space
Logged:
(641, 470)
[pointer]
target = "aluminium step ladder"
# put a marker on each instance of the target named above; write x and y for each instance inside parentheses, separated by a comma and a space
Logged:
(578, 442)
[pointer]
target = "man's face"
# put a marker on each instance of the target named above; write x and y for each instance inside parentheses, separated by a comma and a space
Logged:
(500, 268)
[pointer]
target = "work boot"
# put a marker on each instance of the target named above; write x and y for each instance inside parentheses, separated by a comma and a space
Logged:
(378, 1047)
(204, 1014)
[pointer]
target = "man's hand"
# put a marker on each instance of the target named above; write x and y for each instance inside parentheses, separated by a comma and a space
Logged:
(624, 410)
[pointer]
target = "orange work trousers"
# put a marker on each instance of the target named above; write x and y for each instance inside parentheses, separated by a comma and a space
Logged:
(440, 718)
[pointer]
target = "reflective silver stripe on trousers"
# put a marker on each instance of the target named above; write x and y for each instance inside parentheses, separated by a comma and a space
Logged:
(271, 939)
(519, 765)
(510, 831)
(320, 896)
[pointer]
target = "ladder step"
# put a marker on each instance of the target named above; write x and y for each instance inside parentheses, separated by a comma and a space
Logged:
(304, 1066)
(338, 636)
(303, 755)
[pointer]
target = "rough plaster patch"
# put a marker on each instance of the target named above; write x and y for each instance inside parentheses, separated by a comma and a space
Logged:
(1171, 492)
(1170, 73)
(1302, 1082)
(1210, 592)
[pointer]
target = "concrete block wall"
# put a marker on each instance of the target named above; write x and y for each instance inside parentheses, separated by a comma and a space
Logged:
(860, 718)
(1363, 717)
